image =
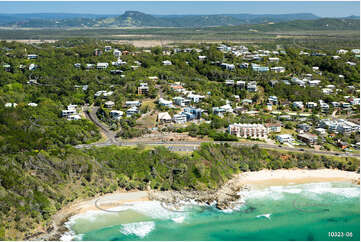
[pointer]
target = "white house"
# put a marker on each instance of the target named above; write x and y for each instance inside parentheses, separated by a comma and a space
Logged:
(10, 105)
(165, 103)
(179, 118)
(284, 138)
(73, 117)
(102, 66)
(32, 56)
(109, 104)
(131, 111)
(164, 117)
(313, 83)
(311, 105)
(32, 104)
(341, 51)
(132, 103)
(278, 69)
(274, 59)
(167, 63)
(195, 97)
(298, 104)
(116, 114)
(117, 53)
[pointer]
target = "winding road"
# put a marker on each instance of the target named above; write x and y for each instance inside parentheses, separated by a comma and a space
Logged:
(188, 146)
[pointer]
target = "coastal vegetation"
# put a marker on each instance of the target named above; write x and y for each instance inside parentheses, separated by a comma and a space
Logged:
(34, 185)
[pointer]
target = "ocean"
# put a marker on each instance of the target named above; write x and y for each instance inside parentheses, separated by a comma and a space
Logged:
(312, 211)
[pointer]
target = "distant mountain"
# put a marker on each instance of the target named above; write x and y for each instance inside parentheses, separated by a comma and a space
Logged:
(300, 25)
(24, 17)
(139, 19)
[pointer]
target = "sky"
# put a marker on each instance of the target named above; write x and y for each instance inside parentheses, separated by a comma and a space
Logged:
(321, 8)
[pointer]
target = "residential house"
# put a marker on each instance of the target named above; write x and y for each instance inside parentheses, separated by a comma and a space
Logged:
(32, 104)
(153, 78)
(324, 107)
(132, 111)
(241, 84)
(274, 59)
(297, 104)
(107, 48)
(284, 138)
(10, 105)
(278, 69)
(273, 127)
(341, 51)
(180, 101)
(178, 88)
(102, 66)
(247, 101)
(116, 114)
(73, 117)
(229, 67)
(311, 105)
(195, 97)
(167, 63)
(32, 56)
(179, 118)
(273, 100)
(164, 117)
(304, 127)
(117, 53)
(196, 112)
(109, 104)
(314, 83)
(335, 104)
(218, 111)
(98, 52)
(103, 93)
(259, 68)
(165, 103)
(229, 82)
(321, 131)
(32, 67)
(252, 86)
(143, 88)
(132, 103)
(273, 83)
(227, 108)
(116, 72)
(89, 66)
(308, 138)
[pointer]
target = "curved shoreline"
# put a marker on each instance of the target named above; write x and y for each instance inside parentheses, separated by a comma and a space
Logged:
(225, 195)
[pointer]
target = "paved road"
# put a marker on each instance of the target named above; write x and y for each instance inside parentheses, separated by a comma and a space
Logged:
(193, 145)
(188, 145)
(110, 135)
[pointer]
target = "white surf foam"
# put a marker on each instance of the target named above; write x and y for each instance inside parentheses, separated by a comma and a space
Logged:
(313, 190)
(267, 216)
(140, 229)
(179, 219)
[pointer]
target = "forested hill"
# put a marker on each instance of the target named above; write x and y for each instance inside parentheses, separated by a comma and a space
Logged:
(282, 22)
(139, 19)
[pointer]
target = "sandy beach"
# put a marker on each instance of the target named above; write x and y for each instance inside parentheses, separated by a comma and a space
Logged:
(256, 180)
(282, 177)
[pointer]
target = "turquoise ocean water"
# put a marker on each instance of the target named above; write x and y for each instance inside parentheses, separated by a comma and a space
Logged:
(293, 212)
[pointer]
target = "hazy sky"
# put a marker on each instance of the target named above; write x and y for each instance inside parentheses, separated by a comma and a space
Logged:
(321, 8)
